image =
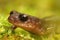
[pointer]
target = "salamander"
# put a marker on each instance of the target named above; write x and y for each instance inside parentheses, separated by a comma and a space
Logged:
(27, 22)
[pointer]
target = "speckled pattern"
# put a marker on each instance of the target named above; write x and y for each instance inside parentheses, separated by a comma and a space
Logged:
(32, 24)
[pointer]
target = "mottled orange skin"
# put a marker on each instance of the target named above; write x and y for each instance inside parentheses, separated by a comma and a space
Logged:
(33, 24)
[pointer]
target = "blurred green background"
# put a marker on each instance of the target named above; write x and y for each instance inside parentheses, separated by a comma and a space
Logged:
(38, 8)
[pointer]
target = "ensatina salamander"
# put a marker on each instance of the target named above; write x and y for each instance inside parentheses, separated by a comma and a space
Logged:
(27, 22)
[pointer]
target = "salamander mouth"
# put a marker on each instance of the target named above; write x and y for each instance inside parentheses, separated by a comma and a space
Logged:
(10, 19)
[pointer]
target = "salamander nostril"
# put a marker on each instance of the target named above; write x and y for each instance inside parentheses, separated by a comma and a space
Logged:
(11, 12)
(23, 17)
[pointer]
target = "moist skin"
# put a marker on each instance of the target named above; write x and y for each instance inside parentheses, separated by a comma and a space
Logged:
(29, 23)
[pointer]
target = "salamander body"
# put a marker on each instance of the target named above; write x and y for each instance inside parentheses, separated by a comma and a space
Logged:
(27, 22)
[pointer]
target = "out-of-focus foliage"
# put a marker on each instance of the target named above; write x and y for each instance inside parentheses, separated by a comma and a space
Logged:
(38, 8)
(32, 7)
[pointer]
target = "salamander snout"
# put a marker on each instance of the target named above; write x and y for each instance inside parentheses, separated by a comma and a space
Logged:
(13, 12)
(13, 17)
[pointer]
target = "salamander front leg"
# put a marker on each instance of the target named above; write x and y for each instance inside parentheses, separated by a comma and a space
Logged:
(13, 28)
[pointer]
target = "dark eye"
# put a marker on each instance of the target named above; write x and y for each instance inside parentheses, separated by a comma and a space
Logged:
(23, 17)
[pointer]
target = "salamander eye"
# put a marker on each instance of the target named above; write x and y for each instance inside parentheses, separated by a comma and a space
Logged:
(23, 17)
